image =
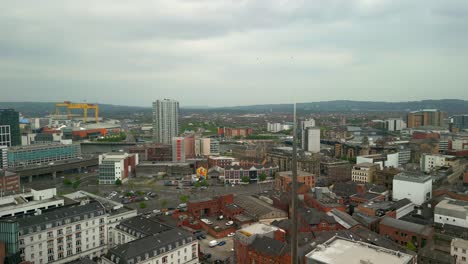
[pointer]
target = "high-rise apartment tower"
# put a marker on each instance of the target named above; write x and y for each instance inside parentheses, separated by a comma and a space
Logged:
(165, 120)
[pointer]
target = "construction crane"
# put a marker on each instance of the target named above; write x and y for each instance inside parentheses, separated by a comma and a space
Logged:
(85, 106)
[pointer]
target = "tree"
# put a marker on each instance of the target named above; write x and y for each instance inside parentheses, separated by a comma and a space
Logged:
(246, 179)
(67, 182)
(164, 203)
(204, 183)
(118, 182)
(76, 184)
(411, 246)
(262, 177)
(142, 205)
(184, 198)
(197, 184)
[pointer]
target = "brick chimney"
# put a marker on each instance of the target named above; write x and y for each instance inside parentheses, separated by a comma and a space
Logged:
(280, 235)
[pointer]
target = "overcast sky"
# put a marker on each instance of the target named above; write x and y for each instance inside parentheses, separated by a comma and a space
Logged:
(216, 53)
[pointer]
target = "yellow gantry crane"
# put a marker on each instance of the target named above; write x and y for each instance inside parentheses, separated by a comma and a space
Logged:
(85, 106)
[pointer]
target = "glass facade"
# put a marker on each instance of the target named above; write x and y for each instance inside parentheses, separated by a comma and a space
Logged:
(9, 117)
(107, 172)
(35, 154)
(5, 135)
(9, 233)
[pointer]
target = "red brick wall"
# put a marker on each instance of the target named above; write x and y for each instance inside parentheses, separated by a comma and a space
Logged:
(10, 183)
(402, 237)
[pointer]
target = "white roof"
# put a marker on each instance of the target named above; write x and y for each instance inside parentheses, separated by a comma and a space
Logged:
(342, 251)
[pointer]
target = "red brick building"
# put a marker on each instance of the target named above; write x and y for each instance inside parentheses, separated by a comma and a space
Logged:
(210, 206)
(234, 132)
(222, 162)
(265, 250)
(310, 220)
(9, 182)
(403, 232)
(284, 178)
(152, 152)
(324, 200)
(260, 243)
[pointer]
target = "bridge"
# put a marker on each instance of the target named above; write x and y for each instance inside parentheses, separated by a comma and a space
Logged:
(58, 166)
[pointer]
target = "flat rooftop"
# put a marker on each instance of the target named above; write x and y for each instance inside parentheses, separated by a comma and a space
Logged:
(412, 177)
(258, 229)
(453, 208)
(342, 251)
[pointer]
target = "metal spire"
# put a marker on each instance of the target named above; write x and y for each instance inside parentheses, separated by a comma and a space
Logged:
(294, 240)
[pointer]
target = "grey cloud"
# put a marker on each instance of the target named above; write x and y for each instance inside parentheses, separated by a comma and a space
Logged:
(234, 52)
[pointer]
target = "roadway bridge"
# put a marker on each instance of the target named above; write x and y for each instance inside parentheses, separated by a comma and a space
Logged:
(58, 166)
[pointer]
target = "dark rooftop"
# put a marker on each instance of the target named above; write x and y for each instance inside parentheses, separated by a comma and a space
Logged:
(153, 245)
(140, 226)
(58, 216)
(407, 226)
(313, 216)
(269, 246)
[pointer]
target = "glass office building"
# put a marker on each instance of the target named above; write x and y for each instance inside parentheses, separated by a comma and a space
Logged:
(42, 154)
(9, 117)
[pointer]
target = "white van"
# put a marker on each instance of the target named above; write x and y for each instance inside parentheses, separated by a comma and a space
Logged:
(206, 221)
(213, 243)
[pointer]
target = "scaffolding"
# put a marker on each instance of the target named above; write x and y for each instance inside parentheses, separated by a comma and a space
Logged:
(85, 106)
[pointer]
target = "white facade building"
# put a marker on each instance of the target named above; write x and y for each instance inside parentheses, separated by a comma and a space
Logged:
(277, 127)
(383, 160)
(165, 120)
(311, 139)
(3, 157)
(416, 187)
(459, 250)
(64, 235)
(204, 146)
(460, 143)
(452, 212)
(429, 162)
(307, 123)
(29, 203)
(172, 246)
(395, 124)
(363, 172)
(115, 166)
(214, 147)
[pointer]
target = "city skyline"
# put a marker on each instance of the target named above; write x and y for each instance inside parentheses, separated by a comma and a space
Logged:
(233, 53)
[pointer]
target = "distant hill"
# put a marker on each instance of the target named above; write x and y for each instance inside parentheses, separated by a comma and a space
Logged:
(452, 106)
(448, 105)
(32, 109)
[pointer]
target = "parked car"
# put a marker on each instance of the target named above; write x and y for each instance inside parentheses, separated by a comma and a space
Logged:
(231, 234)
(222, 243)
(229, 223)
